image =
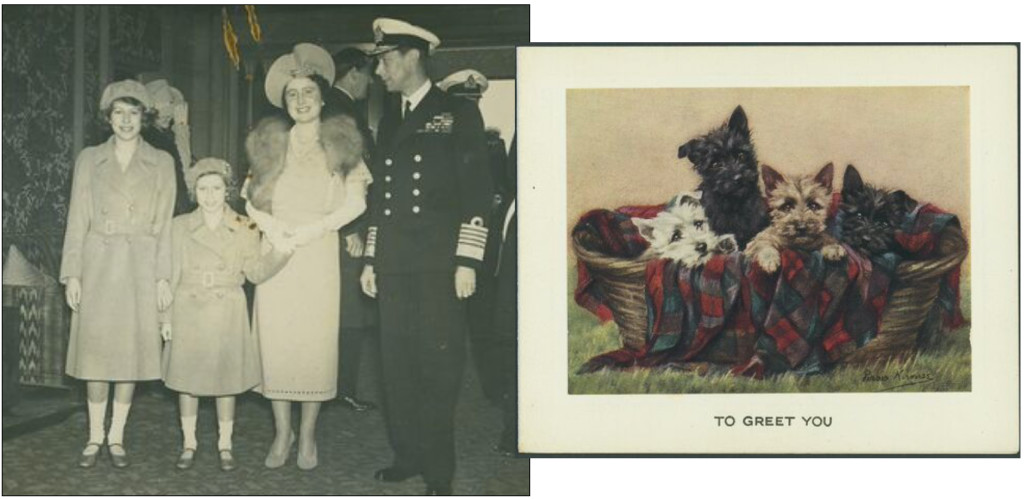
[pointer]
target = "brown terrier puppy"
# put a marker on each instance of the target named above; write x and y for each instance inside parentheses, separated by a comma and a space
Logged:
(797, 208)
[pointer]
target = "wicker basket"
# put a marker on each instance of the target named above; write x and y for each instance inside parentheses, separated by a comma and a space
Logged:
(912, 302)
(909, 307)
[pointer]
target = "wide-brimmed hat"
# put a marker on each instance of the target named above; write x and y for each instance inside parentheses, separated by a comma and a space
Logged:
(390, 34)
(465, 83)
(161, 92)
(204, 166)
(125, 88)
(305, 59)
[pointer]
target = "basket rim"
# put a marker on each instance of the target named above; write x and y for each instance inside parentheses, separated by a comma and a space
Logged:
(910, 270)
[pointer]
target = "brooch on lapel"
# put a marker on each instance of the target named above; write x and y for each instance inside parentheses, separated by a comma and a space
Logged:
(440, 123)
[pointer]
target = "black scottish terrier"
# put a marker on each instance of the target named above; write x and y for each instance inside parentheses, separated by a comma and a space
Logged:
(870, 215)
(727, 164)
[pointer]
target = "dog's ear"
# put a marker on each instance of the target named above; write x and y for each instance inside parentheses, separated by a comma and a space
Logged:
(686, 149)
(686, 198)
(738, 122)
(646, 227)
(904, 201)
(772, 178)
(852, 181)
(824, 177)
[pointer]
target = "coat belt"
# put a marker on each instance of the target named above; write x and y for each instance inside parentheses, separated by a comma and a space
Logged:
(211, 279)
(112, 228)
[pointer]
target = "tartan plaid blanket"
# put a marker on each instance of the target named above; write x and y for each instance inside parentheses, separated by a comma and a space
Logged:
(610, 233)
(802, 318)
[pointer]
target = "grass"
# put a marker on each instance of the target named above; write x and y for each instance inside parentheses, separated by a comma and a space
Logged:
(945, 367)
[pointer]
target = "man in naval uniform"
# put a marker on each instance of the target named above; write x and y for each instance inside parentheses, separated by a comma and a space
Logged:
(432, 194)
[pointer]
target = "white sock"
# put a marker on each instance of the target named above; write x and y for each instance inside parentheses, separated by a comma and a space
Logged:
(188, 431)
(117, 420)
(225, 428)
(97, 415)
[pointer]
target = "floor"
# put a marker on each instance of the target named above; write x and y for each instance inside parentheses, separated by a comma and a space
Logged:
(42, 459)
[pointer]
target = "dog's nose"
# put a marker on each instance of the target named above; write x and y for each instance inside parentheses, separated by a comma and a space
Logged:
(702, 248)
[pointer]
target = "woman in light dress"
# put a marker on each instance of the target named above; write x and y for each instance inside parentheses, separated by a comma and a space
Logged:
(307, 180)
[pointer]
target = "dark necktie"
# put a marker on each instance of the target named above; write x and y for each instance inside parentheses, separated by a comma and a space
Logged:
(408, 109)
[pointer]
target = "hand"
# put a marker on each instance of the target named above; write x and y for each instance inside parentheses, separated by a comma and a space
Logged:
(181, 113)
(165, 331)
(368, 281)
(465, 282)
(164, 297)
(354, 245)
(306, 234)
(73, 292)
(281, 244)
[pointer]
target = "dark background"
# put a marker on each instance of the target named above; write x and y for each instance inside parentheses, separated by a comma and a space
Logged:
(57, 60)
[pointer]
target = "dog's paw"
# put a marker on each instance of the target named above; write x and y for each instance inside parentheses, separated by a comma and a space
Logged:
(769, 260)
(833, 252)
(726, 244)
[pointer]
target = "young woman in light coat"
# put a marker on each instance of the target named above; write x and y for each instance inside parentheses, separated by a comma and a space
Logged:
(116, 264)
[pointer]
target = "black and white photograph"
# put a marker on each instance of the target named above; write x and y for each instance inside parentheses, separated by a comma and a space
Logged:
(260, 250)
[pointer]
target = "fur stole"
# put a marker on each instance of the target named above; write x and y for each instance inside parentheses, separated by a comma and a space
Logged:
(267, 145)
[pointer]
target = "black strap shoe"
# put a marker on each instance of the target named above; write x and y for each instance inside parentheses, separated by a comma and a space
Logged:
(355, 404)
(394, 474)
(439, 489)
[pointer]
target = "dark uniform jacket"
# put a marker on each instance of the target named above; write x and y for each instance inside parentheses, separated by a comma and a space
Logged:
(432, 187)
(357, 309)
(339, 102)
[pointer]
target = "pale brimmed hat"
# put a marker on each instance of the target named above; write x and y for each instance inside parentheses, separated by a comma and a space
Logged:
(161, 92)
(465, 83)
(204, 166)
(390, 34)
(125, 88)
(305, 59)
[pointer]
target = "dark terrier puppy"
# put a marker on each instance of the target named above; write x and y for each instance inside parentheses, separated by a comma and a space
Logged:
(869, 215)
(727, 165)
(799, 206)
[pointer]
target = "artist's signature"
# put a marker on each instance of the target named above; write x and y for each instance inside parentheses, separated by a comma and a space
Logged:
(898, 379)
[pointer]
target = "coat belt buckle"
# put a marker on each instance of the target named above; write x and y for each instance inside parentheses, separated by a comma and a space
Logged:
(207, 279)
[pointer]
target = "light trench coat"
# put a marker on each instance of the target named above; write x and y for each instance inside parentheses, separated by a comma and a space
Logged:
(117, 243)
(212, 351)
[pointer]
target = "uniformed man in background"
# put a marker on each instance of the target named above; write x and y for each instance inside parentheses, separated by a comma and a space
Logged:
(353, 75)
(506, 323)
(472, 85)
(432, 190)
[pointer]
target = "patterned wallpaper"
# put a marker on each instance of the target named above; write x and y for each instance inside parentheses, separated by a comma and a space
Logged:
(38, 110)
(135, 38)
(37, 135)
(94, 130)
